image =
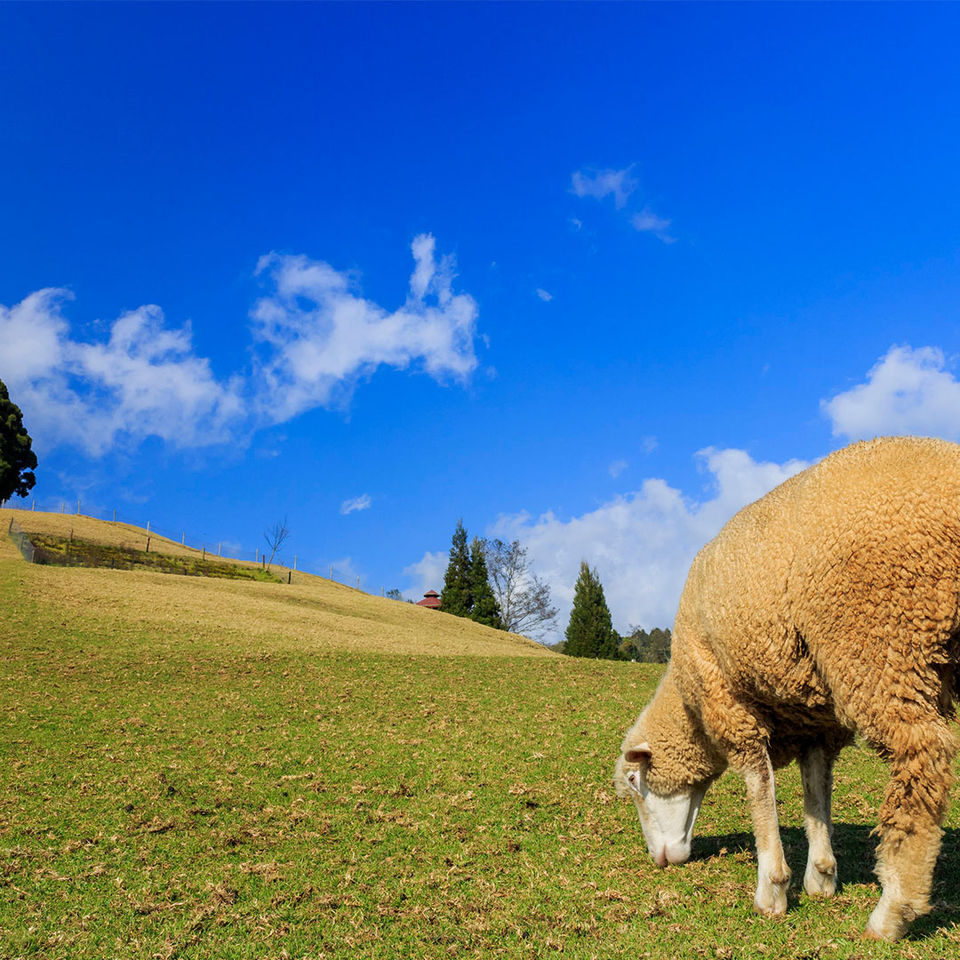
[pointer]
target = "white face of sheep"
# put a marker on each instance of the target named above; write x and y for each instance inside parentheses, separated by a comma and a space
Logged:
(667, 820)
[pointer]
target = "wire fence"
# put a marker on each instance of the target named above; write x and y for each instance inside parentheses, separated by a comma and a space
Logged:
(21, 540)
(137, 535)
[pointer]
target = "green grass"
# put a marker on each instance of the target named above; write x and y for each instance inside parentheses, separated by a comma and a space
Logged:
(185, 797)
(72, 551)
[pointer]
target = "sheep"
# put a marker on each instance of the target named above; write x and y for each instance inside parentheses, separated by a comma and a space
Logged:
(827, 609)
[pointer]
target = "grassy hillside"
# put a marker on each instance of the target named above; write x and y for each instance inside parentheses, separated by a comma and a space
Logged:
(183, 777)
(310, 614)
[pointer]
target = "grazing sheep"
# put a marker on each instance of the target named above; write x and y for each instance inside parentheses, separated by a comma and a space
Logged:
(829, 607)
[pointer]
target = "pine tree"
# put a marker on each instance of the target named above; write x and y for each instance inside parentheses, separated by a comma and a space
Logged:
(485, 607)
(456, 596)
(590, 632)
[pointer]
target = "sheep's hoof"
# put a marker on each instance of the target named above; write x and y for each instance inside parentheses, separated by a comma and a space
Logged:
(887, 923)
(873, 934)
(818, 882)
(771, 902)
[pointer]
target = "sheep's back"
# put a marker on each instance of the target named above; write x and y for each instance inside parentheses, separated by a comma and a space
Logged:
(847, 574)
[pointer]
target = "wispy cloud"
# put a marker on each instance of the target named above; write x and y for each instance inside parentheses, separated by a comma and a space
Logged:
(907, 391)
(648, 222)
(344, 571)
(315, 338)
(544, 295)
(604, 183)
(357, 503)
(620, 184)
(617, 467)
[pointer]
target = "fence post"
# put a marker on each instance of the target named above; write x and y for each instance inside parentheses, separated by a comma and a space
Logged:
(294, 561)
(358, 583)
(78, 506)
(220, 549)
(114, 514)
(289, 575)
(183, 538)
(148, 528)
(331, 571)
(34, 504)
(148, 545)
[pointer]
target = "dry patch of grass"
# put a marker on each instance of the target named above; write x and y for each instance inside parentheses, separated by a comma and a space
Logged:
(95, 531)
(310, 614)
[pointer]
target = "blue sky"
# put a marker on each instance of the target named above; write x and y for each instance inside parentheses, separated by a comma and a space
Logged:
(589, 275)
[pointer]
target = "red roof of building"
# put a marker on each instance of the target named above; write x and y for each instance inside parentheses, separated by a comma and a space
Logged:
(430, 599)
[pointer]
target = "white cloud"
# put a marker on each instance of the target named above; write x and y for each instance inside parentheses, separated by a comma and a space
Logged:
(544, 295)
(315, 338)
(642, 543)
(617, 467)
(907, 391)
(619, 184)
(357, 503)
(143, 381)
(318, 336)
(648, 222)
(426, 574)
(649, 444)
(603, 183)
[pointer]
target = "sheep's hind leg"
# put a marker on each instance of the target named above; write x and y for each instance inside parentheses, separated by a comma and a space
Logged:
(910, 826)
(773, 874)
(816, 771)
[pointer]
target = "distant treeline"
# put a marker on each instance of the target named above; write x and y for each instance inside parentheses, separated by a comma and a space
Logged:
(639, 645)
(652, 647)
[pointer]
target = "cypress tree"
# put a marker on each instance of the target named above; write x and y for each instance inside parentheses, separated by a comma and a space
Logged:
(590, 632)
(485, 607)
(456, 595)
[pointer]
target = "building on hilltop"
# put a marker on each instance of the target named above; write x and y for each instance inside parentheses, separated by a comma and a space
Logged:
(431, 600)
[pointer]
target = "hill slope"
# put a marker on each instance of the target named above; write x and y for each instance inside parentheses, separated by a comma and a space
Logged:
(310, 614)
(196, 768)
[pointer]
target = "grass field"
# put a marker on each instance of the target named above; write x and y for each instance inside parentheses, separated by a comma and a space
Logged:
(195, 768)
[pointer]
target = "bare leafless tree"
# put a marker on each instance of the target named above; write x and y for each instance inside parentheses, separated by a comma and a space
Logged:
(523, 597)
(275, 537)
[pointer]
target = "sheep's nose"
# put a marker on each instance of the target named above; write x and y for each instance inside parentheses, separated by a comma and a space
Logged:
(661, 858)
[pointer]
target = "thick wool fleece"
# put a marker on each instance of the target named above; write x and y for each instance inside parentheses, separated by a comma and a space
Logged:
(828, 607)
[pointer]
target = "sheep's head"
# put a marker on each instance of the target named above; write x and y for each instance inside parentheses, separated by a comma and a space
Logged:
(667, 815)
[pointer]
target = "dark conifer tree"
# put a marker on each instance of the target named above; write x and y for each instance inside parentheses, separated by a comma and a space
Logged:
(17, 459)
(485, 607)
(590, 632)
(456, 596)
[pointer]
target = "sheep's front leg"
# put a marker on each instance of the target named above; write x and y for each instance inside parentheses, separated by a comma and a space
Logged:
(773, 874)
(816, 771)
(913, 810)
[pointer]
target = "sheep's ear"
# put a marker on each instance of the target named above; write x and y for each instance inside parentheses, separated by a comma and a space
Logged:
(637, 753)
